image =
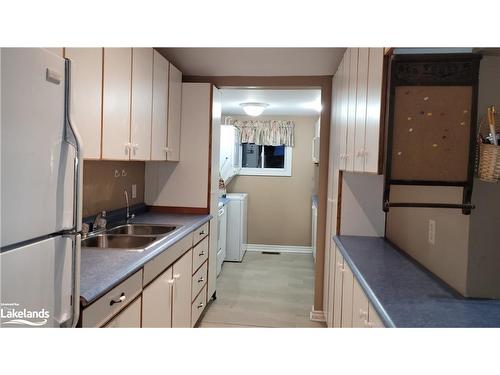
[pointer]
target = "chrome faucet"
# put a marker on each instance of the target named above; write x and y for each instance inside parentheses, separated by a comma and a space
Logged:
(129, 215)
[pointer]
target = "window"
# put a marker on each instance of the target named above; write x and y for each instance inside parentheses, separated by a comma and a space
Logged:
(266, 160)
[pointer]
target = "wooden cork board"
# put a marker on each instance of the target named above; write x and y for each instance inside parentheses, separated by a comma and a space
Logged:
(431, 133)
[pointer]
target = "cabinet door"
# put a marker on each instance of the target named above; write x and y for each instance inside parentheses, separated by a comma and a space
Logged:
(326, 285)
(337, 297)
(160, 107)
(359, 306)
(116, 103)
(344, 97)
(181, 301)
(86, 95)
(141, 105)
(374, 320)
(130, 317)
(331, 287)
(362, 84)
(347, 286)
(157, 302)
(351, 108)
(373, 109)
(174, 114)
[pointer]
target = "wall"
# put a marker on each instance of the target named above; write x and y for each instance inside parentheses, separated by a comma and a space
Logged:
(361, 212)
(465, 254)
(279, 208)
(103, 191)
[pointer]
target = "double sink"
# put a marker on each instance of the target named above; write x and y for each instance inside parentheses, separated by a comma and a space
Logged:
(129, 236)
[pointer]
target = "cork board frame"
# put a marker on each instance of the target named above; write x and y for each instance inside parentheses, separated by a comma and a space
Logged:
(454, 77)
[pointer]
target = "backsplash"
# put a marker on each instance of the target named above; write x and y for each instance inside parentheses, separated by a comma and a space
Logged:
(105, 181)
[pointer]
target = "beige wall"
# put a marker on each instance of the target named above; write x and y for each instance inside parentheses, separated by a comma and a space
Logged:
(465, 254)
(279, 208)
(103, 191)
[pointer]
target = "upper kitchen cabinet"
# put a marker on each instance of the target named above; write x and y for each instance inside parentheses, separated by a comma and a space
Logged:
(86, 97)
(160, 107)
(141, 105)
(361, 81)
(117, 81)
(174, 113)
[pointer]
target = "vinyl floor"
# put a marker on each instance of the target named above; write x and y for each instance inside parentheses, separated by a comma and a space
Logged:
(264, 290)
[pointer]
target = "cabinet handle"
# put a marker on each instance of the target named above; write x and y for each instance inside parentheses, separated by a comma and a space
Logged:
(119, 300)
(128, 147)
(202, 232)
(166, 149)
(201, 279)
(177, 276)
(202, 253)
(200, 305)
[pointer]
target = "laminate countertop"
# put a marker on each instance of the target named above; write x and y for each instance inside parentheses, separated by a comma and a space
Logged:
(407, 295)
(103, 269)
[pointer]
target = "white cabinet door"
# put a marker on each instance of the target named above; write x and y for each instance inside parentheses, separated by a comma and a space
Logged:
(337, 297)
(157, 302)
(374, 320)
(116, 103)
(86, 95)
(174, 114)
(331, 287)
(142, 96)
(344, 93)
(130, 317)
(326, 285)
(347, 287)
(362, 84)
(373, 110)
(181, 301)
(160, 107)
(351, 108)
(359, 307)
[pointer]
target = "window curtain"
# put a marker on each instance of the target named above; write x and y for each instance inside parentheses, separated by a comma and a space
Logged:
(266, 133)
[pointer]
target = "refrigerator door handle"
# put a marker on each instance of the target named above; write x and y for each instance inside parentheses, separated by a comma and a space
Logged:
(75, 300)
(73, 138)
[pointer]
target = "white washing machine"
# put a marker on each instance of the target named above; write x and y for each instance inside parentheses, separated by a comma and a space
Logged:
(236, 244)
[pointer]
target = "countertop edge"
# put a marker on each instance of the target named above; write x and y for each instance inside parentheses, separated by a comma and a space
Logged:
(138, 265)
(369, 292)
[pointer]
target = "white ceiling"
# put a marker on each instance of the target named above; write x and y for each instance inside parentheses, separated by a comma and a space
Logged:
(255, 61)
(281, 102)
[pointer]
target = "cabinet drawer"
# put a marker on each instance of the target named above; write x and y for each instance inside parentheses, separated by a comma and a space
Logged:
(198, 306)
(200, 233)
(374, 320)
(166, 259)
(199, 280)
(112, 302)
(200, 254)
(130, 317)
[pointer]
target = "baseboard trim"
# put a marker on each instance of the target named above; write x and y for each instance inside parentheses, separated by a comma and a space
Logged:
(317, 316)
(280, 248)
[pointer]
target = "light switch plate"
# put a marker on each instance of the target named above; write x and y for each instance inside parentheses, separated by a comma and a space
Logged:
(134, 191)
(432, 232)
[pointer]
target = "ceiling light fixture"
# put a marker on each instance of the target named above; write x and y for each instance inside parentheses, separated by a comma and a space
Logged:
(254, 109)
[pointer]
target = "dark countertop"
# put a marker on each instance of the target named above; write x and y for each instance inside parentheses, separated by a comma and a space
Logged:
(101, 270)
(407, 295)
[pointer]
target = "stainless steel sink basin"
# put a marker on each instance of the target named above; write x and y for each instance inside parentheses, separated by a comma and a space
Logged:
(143, 229)
(124, 242)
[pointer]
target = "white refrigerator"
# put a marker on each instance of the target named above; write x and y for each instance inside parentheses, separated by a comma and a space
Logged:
(41, 186)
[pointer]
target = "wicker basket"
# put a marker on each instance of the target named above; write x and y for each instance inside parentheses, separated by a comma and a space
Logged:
(488, 166)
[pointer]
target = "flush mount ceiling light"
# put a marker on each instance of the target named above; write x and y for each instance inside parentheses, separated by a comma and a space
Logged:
(254, 109)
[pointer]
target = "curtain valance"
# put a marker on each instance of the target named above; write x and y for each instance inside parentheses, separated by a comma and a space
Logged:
(266, 133)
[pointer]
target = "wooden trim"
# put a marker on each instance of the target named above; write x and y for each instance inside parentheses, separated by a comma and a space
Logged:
(179, 210)
(210, 133)
(298, 82)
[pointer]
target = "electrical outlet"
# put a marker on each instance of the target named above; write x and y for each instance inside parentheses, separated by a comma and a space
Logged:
(432, 232)
(134, 191)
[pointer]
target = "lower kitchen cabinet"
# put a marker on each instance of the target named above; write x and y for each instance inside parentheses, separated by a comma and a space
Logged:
(130, 317)
(181, 296)
(351, 306)
(157, 302)
(347, 289)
